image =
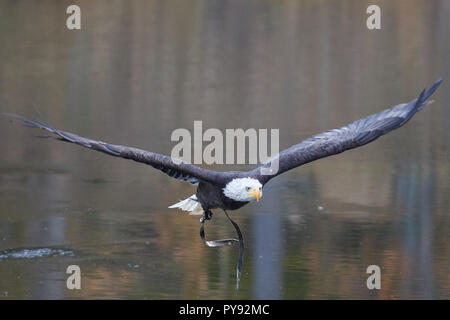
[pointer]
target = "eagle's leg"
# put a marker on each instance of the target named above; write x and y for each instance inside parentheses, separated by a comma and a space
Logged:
(241, 251)
(225, 242)
(207, 215)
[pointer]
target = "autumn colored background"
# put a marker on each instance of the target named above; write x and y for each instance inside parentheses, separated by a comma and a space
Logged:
(137, 70)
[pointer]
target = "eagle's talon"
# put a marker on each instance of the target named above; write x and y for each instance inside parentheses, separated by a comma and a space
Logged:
(207, 216)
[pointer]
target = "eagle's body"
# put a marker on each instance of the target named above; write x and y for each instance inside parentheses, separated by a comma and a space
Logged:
(232, 190)
(211, 196)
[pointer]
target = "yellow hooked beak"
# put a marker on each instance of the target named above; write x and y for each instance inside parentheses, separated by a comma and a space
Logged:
(255, 194)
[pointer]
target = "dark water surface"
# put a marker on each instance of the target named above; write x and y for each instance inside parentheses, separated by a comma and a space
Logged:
(137, 70)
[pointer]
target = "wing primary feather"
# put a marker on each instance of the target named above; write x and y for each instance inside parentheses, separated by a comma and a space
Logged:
(183, 171)
(351, 136)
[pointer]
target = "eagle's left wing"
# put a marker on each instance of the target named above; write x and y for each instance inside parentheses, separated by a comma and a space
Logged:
(351, 136)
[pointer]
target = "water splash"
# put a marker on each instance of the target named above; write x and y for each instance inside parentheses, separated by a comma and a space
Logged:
(34, 253)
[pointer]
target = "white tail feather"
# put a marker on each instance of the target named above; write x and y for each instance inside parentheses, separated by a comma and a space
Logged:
(190, 204)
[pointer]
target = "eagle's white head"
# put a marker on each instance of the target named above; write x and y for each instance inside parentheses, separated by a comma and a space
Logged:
(243, 189)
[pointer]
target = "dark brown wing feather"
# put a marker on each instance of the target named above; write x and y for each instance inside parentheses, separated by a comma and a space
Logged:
(182, 171)
(351, 136)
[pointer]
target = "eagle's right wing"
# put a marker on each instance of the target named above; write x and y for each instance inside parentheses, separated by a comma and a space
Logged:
(182, 171)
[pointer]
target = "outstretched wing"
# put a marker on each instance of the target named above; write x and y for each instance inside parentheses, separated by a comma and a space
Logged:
(182, 171)
(351, 136)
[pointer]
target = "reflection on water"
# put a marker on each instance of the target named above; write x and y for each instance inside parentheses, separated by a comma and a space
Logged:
(138, 70)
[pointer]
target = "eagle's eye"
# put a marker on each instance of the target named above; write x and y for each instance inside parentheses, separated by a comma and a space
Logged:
(248, 188)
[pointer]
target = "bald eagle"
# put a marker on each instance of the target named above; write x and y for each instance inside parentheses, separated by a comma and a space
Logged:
(234, 189)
